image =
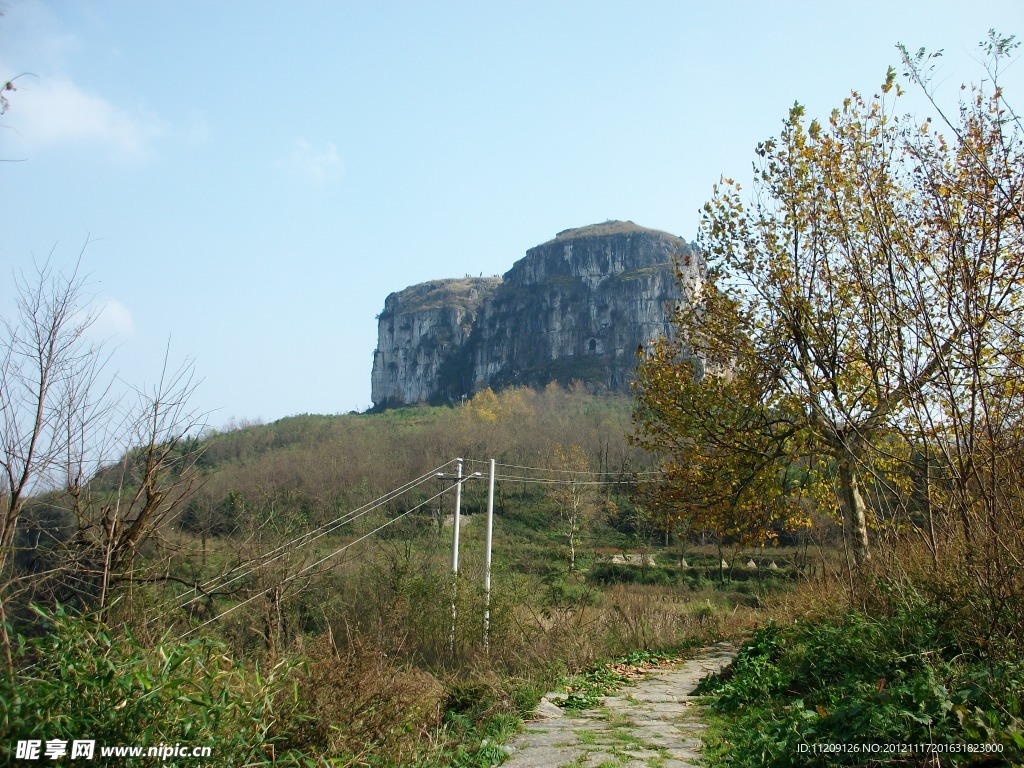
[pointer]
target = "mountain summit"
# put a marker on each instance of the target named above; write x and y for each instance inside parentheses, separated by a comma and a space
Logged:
(575, 307)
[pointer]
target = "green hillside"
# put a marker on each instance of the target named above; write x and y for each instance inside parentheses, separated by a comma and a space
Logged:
(324, 543)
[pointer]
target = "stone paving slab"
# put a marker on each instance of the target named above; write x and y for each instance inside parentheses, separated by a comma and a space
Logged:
(655, 723)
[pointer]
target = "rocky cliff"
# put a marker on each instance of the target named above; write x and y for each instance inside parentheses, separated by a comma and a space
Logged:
(575, 307)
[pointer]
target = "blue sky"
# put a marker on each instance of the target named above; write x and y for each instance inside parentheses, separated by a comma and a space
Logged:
(250, 180)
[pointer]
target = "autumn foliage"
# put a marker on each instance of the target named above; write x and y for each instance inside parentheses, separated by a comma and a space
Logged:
(857, 343)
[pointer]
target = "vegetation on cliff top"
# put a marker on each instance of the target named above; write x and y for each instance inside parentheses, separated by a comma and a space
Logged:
(610, 227)
(465, 293)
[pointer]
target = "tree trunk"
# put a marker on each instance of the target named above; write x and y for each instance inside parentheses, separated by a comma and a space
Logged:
(930, 510)
(855, 521)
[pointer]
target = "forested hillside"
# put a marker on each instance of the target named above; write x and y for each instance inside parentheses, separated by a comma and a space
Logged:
(320, 547)
(317, 465)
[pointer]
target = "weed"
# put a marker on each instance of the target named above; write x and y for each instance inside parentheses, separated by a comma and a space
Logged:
(587, 688)
(848, 679)
(87, 680)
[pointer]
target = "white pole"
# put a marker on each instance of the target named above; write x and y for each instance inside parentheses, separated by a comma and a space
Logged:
(455, 550)
(455, 520)
(487, 560)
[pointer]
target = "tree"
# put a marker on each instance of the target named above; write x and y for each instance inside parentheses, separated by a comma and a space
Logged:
(122, 506)
(864, 284)
(574, 494)
(726, 471)
(48, 374)
(117, 471)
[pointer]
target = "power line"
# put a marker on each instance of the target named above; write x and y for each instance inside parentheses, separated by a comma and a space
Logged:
(563, 471)
(348, 517)
(296, 575)
(306, 538)
(558, 481)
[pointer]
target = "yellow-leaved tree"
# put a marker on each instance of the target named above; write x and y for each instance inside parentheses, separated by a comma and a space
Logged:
(573, 492)
(729, 457)
(865, 290)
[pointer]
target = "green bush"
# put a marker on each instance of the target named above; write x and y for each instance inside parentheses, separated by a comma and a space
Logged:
(851, 680)
(613, 573)
(82, 680)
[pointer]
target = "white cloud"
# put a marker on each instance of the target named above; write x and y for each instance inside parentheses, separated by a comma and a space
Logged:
(53, 111)
(318, 165)
(113, 321)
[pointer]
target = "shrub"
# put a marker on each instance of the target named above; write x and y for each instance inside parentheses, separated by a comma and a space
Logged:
(849, 680)
(83, 680)
(359, 706)
(613, 573)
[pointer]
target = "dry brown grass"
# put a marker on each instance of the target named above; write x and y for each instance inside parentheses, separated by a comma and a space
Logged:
(626, 618)
(358, 702)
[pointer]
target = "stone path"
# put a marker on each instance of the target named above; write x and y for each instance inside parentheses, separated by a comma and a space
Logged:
(652, 724)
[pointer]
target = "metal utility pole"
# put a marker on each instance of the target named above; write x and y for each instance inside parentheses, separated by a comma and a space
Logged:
(487, 560)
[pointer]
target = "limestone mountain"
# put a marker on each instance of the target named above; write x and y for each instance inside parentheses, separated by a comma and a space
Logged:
(575, 307)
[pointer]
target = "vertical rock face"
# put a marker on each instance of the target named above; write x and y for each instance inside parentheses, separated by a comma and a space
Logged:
(420, 330)
(575, 307)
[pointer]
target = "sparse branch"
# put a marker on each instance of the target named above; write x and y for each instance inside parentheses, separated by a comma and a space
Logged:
(60, 423)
